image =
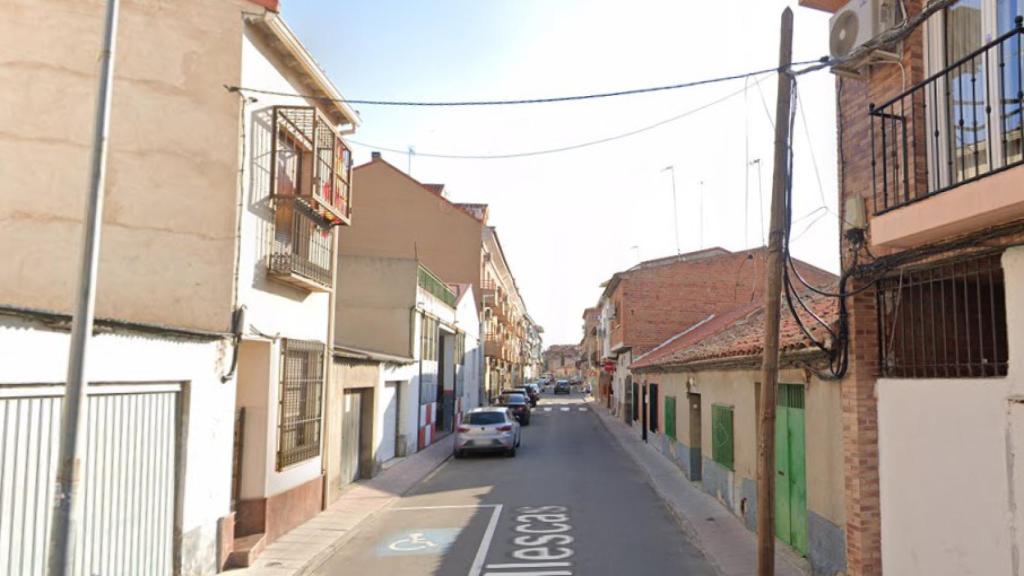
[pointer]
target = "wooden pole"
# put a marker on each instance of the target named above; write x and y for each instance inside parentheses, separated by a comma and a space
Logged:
(772, 298)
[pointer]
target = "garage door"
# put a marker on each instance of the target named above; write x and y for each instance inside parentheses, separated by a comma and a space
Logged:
(389, 428)
(350, 426)
(128, 479)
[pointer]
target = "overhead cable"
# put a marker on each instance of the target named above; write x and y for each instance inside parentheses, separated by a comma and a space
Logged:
(566, 148)
(516, 102)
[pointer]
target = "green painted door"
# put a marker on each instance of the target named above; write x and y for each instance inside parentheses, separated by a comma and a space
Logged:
(790, 468)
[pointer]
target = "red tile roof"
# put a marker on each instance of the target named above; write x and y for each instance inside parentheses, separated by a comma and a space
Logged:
(739, 333)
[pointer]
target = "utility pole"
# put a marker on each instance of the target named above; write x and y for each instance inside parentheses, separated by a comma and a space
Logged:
(772, 298)
(675, 209)
(73, 417)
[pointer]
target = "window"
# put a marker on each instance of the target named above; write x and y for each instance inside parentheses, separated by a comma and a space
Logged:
(653, 420)
(944, 321)
(721, 435)
(428, 339)
(670, 417)
(301, 392)
(485, 418)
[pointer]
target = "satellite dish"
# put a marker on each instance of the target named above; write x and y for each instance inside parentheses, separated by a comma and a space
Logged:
(843, 36)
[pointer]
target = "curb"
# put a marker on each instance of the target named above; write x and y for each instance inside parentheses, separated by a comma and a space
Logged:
(687, 526)
(324, 555)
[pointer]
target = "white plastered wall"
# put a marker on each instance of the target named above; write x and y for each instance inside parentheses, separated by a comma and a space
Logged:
(948, 457)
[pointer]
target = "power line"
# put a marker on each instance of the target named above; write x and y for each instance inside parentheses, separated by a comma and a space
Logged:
(560, 148)
(514, 102)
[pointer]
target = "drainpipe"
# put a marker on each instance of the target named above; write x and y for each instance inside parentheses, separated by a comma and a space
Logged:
(328, 369)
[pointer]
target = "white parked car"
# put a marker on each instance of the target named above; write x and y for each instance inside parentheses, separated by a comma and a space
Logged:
(492, 429)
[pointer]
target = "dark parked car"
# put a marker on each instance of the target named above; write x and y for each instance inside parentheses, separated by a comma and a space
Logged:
(532, 391)
(563, 387)
(518, 404)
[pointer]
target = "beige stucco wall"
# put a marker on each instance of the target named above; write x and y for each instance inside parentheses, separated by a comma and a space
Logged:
(172, 184)
(949, 452)
(737, 388)
(393, 216)
(375, 301)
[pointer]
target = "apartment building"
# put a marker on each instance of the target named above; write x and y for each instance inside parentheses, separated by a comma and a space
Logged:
(591, 366)
(932, 185)
(562, 361)
(214, 286)
(404, 218)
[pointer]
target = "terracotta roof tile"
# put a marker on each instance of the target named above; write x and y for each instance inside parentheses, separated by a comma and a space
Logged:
(739, 333)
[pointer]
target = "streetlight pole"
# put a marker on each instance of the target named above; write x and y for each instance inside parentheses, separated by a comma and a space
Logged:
(65, 506)
(675, 208)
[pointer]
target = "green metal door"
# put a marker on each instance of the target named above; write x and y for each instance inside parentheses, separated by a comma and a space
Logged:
(790, 468)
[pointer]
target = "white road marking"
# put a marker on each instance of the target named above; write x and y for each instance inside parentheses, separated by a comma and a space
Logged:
(582, 409)
(407, 508)
(547, 409)
(528, 565)
(565, 408)
(485, 543)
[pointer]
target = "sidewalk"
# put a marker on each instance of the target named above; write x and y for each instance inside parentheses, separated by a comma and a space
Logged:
(723, 538)
(308, 545)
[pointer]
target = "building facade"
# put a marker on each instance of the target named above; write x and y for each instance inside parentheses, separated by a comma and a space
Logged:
(214, 278)
(931, 400)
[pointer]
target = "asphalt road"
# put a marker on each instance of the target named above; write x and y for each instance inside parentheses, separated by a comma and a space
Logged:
(570, 503)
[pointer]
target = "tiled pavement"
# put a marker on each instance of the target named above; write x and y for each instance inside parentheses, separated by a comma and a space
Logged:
(726, 542)
(306, 546)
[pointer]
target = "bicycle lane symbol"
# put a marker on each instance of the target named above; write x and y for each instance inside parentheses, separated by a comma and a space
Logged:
(425, 541)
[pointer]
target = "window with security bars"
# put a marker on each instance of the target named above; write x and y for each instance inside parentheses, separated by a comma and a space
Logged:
(300, 402)
(670, 417)
(722, 435)
(944, 321)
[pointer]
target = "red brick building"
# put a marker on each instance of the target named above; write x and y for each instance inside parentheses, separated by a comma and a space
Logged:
(656, 299)
(932, 190)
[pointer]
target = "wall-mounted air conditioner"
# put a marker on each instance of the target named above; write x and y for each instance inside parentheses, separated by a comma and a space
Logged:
(859, 21)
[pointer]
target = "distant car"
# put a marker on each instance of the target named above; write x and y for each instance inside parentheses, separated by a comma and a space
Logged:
(491, 429)
(518, 404)
(563, 387)
(532, 392)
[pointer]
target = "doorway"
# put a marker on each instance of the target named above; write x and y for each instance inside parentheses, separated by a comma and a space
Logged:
(790, 468)
(351, 435)
(696, 461)
(643, 414)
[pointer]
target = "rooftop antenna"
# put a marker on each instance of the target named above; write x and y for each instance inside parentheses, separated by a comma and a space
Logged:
(701, 214)
(675, 209)
(412, 152)
(636, 250)
(760, 197)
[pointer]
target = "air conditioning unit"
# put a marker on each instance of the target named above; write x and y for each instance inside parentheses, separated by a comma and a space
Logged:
(858, 22)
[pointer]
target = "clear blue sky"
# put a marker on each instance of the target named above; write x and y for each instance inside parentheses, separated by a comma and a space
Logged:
(568, 221)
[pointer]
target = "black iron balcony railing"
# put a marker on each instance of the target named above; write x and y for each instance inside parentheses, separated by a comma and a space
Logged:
(302, 250)
(958, 125)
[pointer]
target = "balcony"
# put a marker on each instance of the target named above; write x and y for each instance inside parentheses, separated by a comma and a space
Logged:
(311, 163)
(493, 345)
(955, 140)
(301, 253)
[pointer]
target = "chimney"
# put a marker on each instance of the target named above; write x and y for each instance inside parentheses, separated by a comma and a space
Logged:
(375, 155)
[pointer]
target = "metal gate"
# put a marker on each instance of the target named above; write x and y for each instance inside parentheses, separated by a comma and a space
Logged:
(128, 481)
(791, 475)
(351, 428)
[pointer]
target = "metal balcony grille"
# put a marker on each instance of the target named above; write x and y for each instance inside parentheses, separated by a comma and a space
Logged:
(945, 321)
(300, 403)
(302, 243)
(310, 161)
(958, 125)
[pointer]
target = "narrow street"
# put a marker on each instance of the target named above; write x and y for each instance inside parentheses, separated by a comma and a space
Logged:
(551, 510)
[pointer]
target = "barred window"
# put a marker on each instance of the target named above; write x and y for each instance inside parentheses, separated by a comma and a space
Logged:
(944, 321)
(300, 402)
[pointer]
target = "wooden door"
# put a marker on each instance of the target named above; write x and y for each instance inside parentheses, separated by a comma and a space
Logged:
(790, 468)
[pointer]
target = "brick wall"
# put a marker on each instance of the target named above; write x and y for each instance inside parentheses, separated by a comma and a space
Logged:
(859, 403)
(659, 302)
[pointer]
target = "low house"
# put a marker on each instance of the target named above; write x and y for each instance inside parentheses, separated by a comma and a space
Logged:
(398, 349)
(697, 399)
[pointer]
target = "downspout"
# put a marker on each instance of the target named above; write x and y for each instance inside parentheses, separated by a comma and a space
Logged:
(238, 314)
(328, 369)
